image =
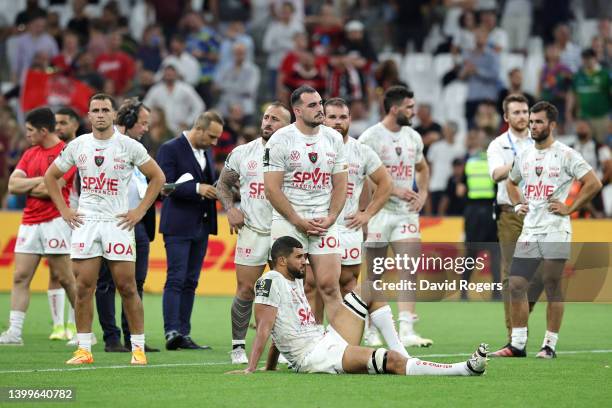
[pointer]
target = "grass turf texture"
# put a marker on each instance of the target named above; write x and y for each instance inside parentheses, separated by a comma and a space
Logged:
(196, 378)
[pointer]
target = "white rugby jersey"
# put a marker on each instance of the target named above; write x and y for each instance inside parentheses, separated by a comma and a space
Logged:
(247, 161)
(362, 161)
(547, 174)
(399, 152)
(105, 168)
(295, 331)
(309, 163)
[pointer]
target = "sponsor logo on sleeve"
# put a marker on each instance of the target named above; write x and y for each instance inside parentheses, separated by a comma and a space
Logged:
(262, 288)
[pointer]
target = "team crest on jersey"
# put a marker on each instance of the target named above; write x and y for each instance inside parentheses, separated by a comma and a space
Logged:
(98, 160)
(538, 170)
(398, 150)
(313, 156)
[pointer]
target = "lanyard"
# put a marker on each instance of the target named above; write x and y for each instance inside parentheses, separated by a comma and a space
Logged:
(512, 146)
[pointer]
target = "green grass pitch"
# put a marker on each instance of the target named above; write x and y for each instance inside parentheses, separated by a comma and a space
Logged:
(580, 376)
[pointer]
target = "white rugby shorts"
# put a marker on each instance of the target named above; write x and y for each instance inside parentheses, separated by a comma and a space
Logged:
(47, 238)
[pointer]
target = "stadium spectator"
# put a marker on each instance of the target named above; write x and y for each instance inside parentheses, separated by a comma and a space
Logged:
(464, 38)
(187, 65)
(497, 36)
(142, 15)
(116, 65)
(441, 155)
(306, 69)
(31, 11)
(598, 156)
(487, 118)
(54, 28)
(555, 81)
(235, 33)
(238, 82)
(180, 102)
(65, 61)
(233, 134)
(203, 43)
(188, 216)
(428, 128)
(409, 24)
(225, 12)
(515, 82)
(516, 21)
(33, 41)
(168, 15)
(481, 71)
(158, 133)
(360, 118)
(569, 51)
(590, 96)
(133, 121)
(453, 200)
(151, 49)
(326, 29)
(549, 14)
(279, 40)
(141, 85)
(80, 22)
(601, 52)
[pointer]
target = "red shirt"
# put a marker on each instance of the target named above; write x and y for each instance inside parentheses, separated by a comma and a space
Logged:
(34, 163)
(117, 66)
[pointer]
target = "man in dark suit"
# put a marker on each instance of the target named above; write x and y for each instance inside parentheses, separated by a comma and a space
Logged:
(132, 120)
(188, 216)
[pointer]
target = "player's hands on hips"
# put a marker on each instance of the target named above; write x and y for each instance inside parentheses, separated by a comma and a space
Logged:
(72, 218)
(557, 207)
(357, 220)
(129, 220)
(310, 227)
(235, 217)
(208, 191)
(521, 209)
(416, 200)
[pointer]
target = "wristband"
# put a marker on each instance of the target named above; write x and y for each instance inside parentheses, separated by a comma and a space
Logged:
(517, 207)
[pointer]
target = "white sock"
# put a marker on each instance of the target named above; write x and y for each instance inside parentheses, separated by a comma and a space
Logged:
(71, 318)
(238, 343)
(406, 323)
(16, 319)
(414, 366)
(138, 341)
(383, 320)
(56, 305)
(519, 337)
(550, 339)
(84, 340)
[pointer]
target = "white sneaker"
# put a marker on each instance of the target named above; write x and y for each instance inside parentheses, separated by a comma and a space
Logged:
(371, 337)
(239, 356)
(75, 342)
(10, 339)
(477, 364)
(414, 340)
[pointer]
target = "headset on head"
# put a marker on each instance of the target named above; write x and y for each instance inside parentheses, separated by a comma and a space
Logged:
(131, 115)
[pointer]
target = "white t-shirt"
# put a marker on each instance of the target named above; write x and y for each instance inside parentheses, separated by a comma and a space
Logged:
(547, 174)
(399, 152)
(501, 151)
(105, 168)
(441, 155)
(246, 160)
(362, 161)
(295, 331)
(309, 163)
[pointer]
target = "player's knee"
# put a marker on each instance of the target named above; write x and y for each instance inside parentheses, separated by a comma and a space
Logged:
(377, 363)
(328, 288)
(517, 286)
(355, 304)
(126, 288)
(245, 292)
(85, 290)
(21, 278)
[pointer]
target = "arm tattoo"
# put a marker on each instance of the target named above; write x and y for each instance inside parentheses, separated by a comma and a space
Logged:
(228, 182)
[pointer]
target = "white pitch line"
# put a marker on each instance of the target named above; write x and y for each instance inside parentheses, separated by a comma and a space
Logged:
(215, 363)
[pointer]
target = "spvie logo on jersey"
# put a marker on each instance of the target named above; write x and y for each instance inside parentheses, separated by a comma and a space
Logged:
(100, 185)
(538, 191)
(400, 171)
(256, 190)
(311, 180)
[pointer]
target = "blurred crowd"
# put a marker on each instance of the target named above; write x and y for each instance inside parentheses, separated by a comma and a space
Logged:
(461, 58)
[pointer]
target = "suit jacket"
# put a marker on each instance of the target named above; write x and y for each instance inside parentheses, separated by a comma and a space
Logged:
(184, 210)
(149, 222)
